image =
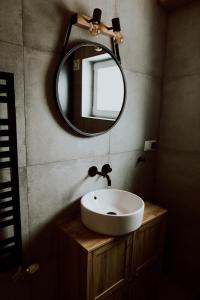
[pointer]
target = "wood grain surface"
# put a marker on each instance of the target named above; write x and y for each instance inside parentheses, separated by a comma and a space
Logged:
(90, 240)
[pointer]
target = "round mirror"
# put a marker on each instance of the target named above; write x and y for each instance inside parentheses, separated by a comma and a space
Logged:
(90, 89)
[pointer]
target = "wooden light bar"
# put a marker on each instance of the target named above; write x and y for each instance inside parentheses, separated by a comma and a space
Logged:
(83, 22)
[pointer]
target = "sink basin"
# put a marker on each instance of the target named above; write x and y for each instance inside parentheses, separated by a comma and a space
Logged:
(111, 211)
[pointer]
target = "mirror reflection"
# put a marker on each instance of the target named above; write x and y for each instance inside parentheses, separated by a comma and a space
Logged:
(90, 89)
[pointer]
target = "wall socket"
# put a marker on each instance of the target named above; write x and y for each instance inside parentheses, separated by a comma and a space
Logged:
(150, 145)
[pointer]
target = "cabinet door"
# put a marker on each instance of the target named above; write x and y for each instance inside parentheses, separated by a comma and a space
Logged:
(148, 244)
(145, 285)
(110, 268)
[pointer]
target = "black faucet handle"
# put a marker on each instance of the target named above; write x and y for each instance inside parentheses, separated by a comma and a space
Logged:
(92, 171)
(106, 169)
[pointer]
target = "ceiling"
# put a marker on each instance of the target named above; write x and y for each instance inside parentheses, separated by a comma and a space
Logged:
(174, 3)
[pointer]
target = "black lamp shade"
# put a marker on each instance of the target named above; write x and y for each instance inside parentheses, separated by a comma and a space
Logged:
(116, 24)
(96, 15)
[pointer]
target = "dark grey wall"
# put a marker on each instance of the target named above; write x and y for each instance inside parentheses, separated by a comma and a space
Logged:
(178, 174)
(53, 163)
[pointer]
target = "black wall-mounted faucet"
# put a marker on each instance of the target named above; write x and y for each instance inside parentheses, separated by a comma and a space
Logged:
(93, 171)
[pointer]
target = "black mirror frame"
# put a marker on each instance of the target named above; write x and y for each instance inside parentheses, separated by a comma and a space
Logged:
(66, 56)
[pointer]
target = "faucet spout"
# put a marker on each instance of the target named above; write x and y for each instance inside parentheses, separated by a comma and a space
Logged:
(105, 176)
(108, 179)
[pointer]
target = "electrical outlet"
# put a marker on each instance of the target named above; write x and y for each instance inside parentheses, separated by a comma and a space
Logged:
(150, 145)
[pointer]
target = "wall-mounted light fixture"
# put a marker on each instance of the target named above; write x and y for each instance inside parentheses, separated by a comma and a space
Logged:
(96, 27)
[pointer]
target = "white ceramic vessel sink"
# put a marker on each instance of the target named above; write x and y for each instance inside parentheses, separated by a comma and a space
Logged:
(112, 212)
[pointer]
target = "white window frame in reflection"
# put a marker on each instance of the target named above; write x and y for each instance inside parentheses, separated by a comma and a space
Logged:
(107, 79)
(92, 87)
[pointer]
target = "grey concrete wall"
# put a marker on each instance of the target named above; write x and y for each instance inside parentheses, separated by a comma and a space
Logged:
(53, 163)
(178, 175)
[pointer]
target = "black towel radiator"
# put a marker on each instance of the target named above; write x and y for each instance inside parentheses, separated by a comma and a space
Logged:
(10, 224)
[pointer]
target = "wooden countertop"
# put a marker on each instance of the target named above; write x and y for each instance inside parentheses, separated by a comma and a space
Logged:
(90, 240)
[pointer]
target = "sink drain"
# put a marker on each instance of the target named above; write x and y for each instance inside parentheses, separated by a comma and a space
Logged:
(111, 213)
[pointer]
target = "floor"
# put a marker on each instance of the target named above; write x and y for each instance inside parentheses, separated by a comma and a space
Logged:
(171, 290)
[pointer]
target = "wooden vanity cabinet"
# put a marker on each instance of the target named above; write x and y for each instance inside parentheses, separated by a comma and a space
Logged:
(96, 267)
(147, 253)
